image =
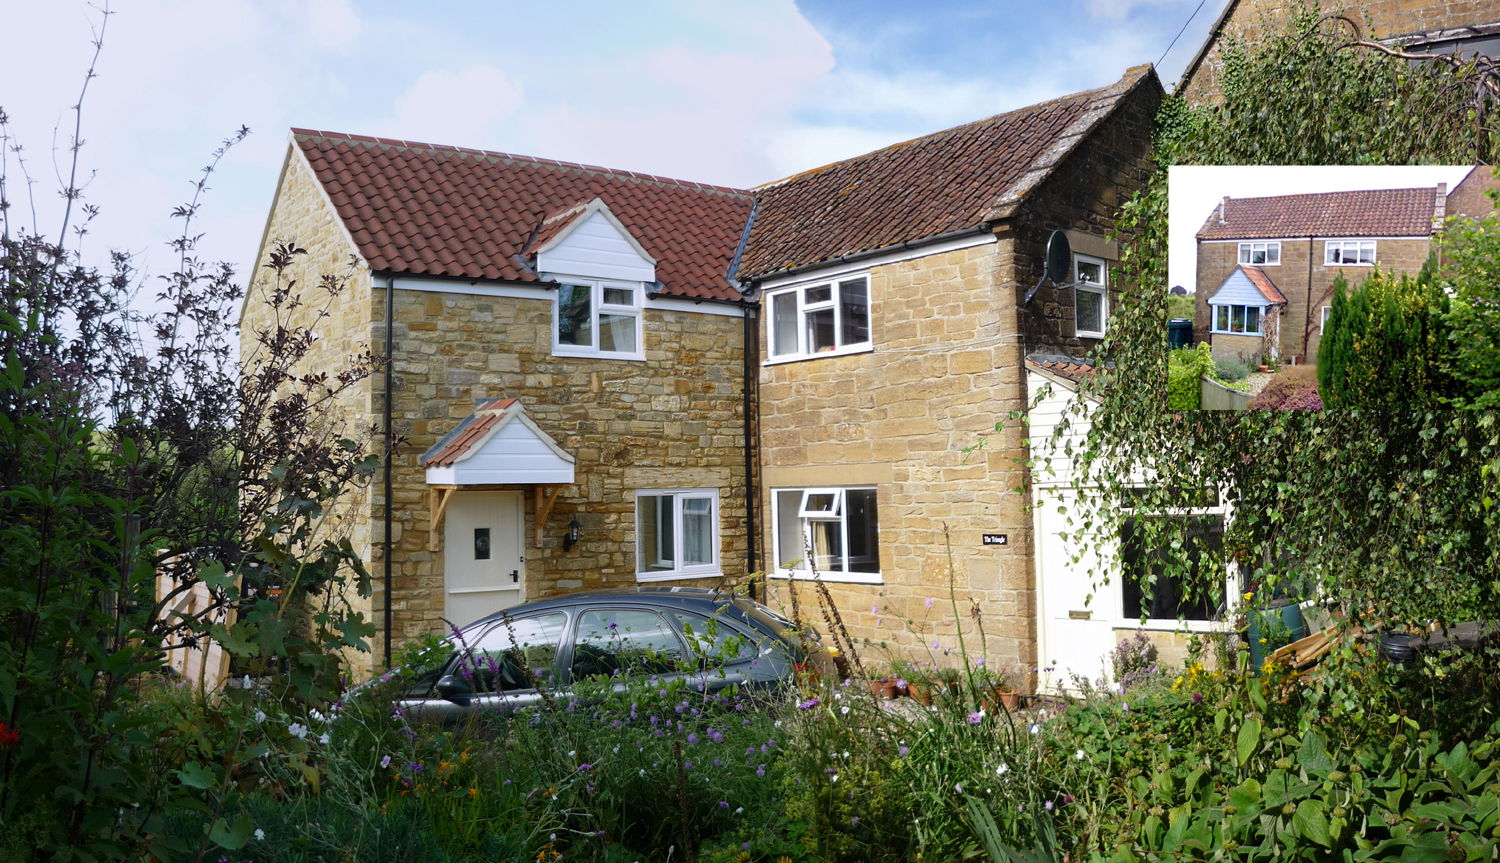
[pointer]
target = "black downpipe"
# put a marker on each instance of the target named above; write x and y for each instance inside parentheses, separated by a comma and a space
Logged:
(390, 361)
(752, 497)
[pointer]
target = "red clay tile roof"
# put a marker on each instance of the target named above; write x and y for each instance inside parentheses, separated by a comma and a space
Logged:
(1370, 213)
(1263, 283)
(1064, 367)
(949, 181)
(448, 211)
(474, 427)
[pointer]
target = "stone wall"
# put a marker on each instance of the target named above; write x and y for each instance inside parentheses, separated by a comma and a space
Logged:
(302, 215)
(1470, 197)
(906, 418)
(672, 421)
(1379, 19)
(1306, 288)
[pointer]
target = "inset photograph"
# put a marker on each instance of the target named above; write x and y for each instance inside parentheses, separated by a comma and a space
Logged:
(1298, 287)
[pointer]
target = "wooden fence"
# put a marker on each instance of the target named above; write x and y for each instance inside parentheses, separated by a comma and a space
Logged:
(1217, 397)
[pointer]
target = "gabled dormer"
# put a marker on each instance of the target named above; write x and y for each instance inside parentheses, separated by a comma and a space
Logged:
(602, 272)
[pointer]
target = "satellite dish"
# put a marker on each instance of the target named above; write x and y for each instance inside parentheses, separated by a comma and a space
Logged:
(1059, 258)
(1058, 267)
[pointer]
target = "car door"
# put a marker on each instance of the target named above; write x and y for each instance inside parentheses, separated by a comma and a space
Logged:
(618, 643)
(724, 654)
(504, 668)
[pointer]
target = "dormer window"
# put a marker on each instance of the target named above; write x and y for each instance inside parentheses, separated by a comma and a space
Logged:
(819, 319)
(598, 318)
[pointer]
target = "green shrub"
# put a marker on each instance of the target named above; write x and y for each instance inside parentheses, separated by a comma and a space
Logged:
(1229, 369)
(1185, 367)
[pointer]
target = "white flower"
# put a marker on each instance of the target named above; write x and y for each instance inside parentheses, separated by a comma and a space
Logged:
(1078, 755)
(260, 835)
(1002, 769)
(844, 709)
(316, 715)
(260, 716)
(323, 739)
(297, 731)
(1035, 727)
(245, 683)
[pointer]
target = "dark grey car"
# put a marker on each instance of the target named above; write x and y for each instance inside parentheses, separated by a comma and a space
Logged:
(504, 662)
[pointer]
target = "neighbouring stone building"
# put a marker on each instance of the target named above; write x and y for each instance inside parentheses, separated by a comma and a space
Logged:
(607, 379)
(1267, 266)
(1420, 26)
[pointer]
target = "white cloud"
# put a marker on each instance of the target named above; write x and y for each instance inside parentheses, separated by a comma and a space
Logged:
(457, 107)
(333, 24)
(1117, 9)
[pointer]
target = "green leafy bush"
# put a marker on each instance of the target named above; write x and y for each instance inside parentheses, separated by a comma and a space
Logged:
(1185, 368)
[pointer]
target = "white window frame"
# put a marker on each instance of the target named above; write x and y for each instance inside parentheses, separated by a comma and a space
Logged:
(805, 516)
(1343, 246)
(678, 570)
(1268, 250)
(1101, 289)
(804, 307)
(1232, 578)
(1323, 324)
(597, 308)
(1214, 318)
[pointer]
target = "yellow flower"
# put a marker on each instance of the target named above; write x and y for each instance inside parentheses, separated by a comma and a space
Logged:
(1249, 596)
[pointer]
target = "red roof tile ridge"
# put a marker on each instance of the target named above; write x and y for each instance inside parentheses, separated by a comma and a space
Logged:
(1310, 195)
(298, 132)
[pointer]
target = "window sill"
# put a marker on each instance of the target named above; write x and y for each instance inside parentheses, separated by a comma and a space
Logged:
(1155, 625)
(792, 358)
(1232, 333)
(1332, 264)
(1088, 334)
(648, 577)
(831, 577)
(583, 353)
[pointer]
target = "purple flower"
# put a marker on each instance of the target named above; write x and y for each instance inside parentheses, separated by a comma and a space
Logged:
(723, 804)
(901, 753)
(959, 787)
(809, 704)
(928, 602)
(1067, 798)
(715, 735)
(976, 717)
(979, 663)
(1048, 805)
(760, 770)
(692, 738)
(1197, 697)
(385, 762)
(584, 768)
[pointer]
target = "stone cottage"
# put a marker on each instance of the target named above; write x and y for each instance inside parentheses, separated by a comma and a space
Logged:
(607, 379)
(1267, 266)
(893, 340)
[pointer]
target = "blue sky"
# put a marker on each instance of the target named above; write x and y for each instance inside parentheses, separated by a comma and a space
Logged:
(735, 92)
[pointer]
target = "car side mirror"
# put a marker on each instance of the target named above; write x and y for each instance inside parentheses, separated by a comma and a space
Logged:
(455, 689)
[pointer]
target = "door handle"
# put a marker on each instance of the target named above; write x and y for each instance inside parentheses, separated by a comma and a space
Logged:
(515, 576)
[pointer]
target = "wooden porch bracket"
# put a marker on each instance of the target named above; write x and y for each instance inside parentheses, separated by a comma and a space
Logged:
(546, 496)
(437, 503)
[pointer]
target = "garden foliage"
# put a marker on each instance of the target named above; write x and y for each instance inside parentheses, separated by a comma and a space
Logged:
(132, 449)
(1386, 344)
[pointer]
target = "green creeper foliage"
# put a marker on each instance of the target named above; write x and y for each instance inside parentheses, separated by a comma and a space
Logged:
(1391, 511)
(1472, 274)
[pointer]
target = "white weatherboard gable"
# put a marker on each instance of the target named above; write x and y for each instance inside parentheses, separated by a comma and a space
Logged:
(1238, 290)
(594, 243)
(515, 451)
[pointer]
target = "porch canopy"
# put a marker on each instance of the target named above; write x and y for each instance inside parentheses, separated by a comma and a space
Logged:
(497, 445)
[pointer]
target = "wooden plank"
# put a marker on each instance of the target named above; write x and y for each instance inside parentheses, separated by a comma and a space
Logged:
(437, 504)
(546, 497)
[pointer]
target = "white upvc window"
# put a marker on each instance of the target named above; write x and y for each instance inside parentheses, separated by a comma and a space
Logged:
(677, 534)
(818, 319)
(1207, 592)
(836, 529)
(598, 318)
(1237, 320)
(1323, 324)
(1261, 254)
(1090, 296)
(1349, 253)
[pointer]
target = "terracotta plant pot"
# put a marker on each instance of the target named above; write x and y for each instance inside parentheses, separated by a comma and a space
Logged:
(885, 688)
(1009, 699)
(920, 692)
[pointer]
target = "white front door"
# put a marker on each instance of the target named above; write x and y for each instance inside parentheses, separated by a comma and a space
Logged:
(484, 565)
(1077, 617)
